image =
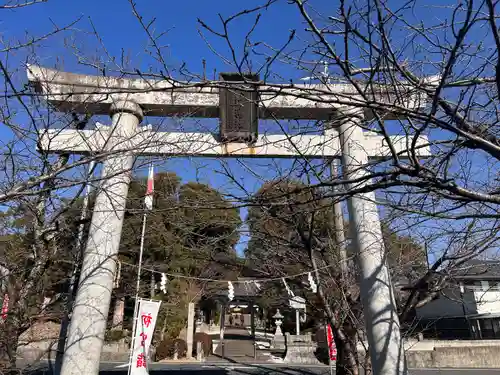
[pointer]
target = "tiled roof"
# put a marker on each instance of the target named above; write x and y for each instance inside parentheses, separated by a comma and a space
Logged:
(243, 289)
(479, 270)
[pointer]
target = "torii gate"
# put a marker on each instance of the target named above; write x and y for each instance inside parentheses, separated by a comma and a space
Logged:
(125, 100)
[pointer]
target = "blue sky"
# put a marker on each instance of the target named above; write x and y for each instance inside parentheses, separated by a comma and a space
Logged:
(119, 29)
(121, 35)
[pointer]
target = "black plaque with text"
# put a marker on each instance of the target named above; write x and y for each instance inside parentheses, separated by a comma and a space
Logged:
(238, 104)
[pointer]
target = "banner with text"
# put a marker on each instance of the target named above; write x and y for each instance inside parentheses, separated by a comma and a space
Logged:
(147, 314)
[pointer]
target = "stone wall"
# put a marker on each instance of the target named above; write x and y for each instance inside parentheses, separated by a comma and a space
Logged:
(448, 353)
(432, 344)
(32, 353)
(442, 357)
(40, 342)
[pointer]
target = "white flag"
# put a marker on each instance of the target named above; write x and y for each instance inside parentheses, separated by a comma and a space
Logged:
(147, 314)
(148, 199)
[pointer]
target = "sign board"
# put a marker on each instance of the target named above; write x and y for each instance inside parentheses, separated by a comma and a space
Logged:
(147, 314)
(297, 303)
(238, 107)
(332, 348)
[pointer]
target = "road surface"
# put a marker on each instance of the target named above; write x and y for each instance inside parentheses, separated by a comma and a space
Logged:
(116, 368)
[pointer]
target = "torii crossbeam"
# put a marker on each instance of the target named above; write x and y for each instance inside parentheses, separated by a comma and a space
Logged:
(126, 100)
(147, 142)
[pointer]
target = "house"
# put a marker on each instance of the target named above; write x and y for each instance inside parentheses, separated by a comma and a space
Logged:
(468, 308)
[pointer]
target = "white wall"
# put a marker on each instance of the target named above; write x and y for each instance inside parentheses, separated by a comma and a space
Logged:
(487, 302)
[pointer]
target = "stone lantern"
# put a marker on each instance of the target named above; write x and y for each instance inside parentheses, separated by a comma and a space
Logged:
(278, 321)
(278, 341)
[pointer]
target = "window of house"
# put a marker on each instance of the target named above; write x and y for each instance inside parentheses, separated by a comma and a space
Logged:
(468, 285)
(496, 327)
(487, 330)
(482, 286)
(477, 284)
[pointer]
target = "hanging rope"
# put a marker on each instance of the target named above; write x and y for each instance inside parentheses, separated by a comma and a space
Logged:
(257, 282)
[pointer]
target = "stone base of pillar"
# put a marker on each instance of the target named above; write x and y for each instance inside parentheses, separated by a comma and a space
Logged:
(278, 342)
(300, 349)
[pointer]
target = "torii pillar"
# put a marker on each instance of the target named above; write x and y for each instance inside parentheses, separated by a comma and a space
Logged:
(90, 311)
(377, 294)
(125, 99)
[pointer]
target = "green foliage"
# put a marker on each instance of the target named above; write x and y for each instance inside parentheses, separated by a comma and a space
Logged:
(289, 219)
(284, 213)
(404, 255)
(114, 335)
(19, 252)
(172, 317)
(210, 221)
(191, 225)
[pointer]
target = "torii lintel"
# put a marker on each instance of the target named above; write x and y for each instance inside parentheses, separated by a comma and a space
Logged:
(95, 94)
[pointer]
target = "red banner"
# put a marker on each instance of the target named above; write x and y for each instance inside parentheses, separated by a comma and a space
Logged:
(332, 348)
(5, 307)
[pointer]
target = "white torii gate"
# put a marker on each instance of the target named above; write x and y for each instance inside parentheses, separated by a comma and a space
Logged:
(125, 100)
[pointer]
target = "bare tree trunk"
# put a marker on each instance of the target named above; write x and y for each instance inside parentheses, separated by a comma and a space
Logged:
(367, 365)
(347, 355)
(347, 359)
(12, 354)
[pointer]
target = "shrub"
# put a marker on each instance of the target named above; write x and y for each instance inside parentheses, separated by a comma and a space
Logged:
(206, 342)
(166, 349)
(114, 335)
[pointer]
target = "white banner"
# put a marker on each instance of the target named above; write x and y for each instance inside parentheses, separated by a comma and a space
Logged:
(147, 314)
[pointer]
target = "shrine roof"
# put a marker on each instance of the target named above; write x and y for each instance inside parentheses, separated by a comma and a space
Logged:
(244, 288)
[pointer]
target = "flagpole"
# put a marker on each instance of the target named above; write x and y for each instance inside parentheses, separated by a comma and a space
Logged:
(147, 207)
(137, 287)
(141, 251)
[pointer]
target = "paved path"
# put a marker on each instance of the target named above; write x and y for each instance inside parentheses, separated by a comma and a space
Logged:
(238, 347)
